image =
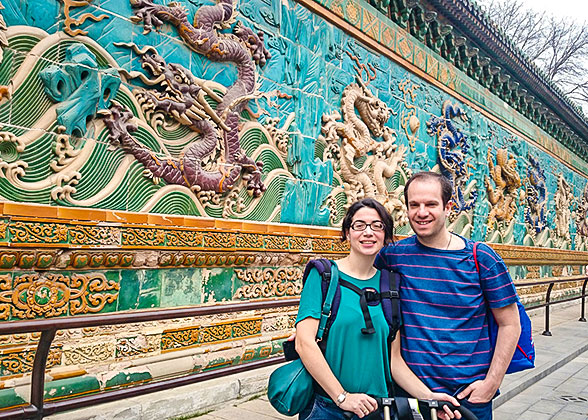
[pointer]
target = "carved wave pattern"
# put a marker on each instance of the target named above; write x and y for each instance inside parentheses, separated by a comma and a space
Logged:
(97, 175)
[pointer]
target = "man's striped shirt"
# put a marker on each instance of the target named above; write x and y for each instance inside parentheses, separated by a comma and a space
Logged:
(444, 303)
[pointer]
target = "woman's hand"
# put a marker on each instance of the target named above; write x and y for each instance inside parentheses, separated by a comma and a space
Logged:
(447, 414)
(360, 404)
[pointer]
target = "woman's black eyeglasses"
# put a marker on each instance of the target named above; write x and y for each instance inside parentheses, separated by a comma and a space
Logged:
(360, 225)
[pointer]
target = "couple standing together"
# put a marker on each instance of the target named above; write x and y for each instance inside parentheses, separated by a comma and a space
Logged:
(443, 349)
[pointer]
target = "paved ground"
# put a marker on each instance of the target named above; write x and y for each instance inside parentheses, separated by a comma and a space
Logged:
(556, 389)
(562, 395)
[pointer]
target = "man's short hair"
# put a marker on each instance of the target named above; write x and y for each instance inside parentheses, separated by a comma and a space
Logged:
(446, 187)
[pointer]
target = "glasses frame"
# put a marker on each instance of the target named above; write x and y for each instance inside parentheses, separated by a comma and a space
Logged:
(368, 225)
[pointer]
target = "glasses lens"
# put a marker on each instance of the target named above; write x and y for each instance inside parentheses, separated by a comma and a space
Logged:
(358, 225)
(377, 226)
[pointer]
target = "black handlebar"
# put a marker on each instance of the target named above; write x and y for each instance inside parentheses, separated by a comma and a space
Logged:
(466, 414)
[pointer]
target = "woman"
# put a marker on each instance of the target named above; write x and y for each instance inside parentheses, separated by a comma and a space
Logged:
(355, 365)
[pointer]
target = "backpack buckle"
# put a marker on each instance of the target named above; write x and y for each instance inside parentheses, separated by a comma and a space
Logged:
(394, 294)
(372, 296)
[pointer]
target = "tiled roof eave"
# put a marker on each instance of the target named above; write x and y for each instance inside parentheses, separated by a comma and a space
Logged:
(462, 15)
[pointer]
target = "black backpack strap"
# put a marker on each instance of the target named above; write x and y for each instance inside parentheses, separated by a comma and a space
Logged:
(323, 266)
(390, 295)
(365, 295)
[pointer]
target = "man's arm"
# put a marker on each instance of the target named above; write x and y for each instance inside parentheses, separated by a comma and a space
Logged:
(509, 330)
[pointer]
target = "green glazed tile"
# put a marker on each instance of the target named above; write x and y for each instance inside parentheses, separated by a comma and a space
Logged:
(63, 388)
(139, 289)
(126, 378)
(9, 398)
(218, 287)
(128, 295)
(180, 287)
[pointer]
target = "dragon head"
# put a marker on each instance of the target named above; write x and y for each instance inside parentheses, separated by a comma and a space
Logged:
(373, 111)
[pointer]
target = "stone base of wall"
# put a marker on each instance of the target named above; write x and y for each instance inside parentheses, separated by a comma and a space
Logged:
(179, 402)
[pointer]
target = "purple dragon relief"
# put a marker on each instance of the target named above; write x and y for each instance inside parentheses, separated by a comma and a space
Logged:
(181, 95)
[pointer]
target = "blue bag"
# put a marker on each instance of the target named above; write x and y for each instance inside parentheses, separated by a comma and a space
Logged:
(524, 355)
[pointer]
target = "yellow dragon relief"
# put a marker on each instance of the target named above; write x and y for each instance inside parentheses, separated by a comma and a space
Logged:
(563, 214)
(503, 197)
(364, 163)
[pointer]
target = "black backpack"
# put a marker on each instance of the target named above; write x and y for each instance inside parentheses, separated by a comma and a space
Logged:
(388, 296)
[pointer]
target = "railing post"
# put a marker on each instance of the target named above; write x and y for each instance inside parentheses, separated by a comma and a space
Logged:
(583, 316)
(547, 301)
(38, 378)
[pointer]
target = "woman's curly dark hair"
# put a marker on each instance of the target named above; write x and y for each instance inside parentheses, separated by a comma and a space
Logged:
(382, 212)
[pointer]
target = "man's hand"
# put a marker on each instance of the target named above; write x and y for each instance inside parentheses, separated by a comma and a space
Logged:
(479, 392)
(447, 414)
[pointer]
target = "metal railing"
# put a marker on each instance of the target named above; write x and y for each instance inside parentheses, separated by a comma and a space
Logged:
(548, 302)
(38, 408)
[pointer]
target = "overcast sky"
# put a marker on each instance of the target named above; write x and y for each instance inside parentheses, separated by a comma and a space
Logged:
(577, 9)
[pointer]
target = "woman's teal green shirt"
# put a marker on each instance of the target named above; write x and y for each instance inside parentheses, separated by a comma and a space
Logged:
(361, 362)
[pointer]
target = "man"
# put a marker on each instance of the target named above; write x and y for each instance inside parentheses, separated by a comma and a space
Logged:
(445, 300)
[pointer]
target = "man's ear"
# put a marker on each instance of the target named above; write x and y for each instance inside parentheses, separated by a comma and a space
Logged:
(448, 208)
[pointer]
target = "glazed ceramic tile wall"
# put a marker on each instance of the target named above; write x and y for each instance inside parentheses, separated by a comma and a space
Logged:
(148, 163)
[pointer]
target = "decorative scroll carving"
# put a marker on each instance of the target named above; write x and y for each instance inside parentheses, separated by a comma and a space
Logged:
(249, 240)
(321, 245)
(269, 282)
(3, 228)
(141, 344)
(5, 289)
(277, 323)
(38, 232)
(86, 293)
(215, 333)
(150, 237)
(276, 242)
(94, 235)
(297, 242)
(19, 361)
(34, 296)
(91, 353)
(211, 334)
(453, 147)
(504, 196)
(220, 240)
(246, 329)
(49, 295)
(184, 238)
(178, 339)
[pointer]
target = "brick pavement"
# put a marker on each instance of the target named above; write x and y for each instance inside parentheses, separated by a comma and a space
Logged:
(562, 395)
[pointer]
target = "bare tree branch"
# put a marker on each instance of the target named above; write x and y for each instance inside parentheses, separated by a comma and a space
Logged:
(559, 47)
